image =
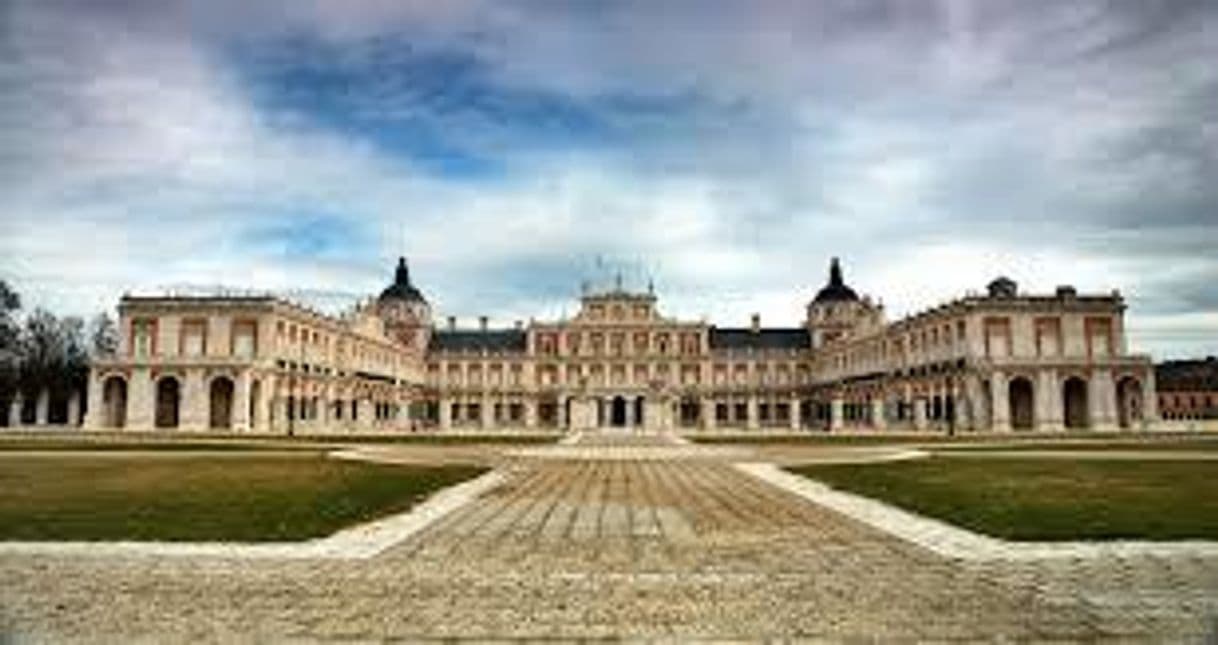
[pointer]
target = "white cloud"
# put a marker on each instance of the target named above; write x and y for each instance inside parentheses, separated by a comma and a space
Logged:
(932, 149)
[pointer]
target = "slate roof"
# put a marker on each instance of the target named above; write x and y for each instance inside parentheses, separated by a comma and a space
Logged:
(474, 340)
(1187, 376)
(745, 338)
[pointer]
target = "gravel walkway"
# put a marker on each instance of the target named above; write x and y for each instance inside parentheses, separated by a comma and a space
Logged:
(581, 547)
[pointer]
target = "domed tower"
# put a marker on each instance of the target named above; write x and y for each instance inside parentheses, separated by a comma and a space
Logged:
(404, 311)
(837, 312)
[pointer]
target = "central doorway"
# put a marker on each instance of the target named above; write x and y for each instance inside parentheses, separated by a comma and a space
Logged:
(617, 412)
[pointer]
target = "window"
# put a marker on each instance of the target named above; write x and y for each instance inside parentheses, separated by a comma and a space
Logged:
(193, 338)
(143, 332)
(244, 335)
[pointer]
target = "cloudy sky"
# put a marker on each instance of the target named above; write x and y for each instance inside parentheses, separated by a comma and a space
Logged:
(514, 149)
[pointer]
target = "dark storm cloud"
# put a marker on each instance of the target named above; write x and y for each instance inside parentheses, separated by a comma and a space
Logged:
(502, 144)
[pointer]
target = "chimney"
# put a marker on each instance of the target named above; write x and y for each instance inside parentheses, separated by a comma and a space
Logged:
(452, 323)
(756, 323)
(482, 322)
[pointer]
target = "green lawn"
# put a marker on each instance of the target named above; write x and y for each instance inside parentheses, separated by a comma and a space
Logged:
(1030, 499)
(440, 439)
(818, 439)
(158, 445)
(180, 497)
(1156, 444)
(983, 441)
(163, 441)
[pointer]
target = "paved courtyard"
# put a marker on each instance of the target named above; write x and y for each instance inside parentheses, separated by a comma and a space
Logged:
(644, 544)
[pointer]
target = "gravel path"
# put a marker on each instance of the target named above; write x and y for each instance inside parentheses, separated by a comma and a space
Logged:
(681, 547)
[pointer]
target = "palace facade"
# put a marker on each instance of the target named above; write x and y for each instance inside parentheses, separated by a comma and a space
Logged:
(1000, 361)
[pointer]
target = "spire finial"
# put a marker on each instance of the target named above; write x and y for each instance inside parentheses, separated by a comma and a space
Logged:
(835, 273)
(402, 276)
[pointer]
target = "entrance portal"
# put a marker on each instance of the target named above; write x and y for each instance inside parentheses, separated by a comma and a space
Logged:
(617, 414)
(1074, 399)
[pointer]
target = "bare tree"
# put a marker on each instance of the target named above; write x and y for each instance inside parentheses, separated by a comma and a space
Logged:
(103, 336)
(10, 351)
(41, 351)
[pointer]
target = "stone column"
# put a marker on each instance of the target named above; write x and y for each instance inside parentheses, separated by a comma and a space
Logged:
(402, 418)
(193, 405)
(1150, 400)
(835, 414)
(1000, 415)
(367, 416)
(753, 421)
(14, 410)
(708, 413)
(95, 413)
(905, 403)
(793, 416)
(487, 415)
(74, 409)
(530, 414)
(446, 408)
(654, 413)
(141, 400)
(42, 407)
(919, 413)
(878, 421)
(277, 413)
(1102, 400)
(580, 416)
(975, 402)
(266, 393)
(1049, 402)
(241, 403)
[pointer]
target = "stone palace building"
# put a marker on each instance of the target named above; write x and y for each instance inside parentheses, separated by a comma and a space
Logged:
(996, 362)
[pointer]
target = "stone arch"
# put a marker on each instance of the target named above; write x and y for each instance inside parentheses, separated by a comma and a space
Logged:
(114, 402)
(1129, 402)
(220, 403)
(1074, 403)
(168, 402)
(1021, 396)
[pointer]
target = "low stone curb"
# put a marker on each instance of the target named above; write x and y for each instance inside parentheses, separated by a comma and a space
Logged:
(358, 542)
(954, 542)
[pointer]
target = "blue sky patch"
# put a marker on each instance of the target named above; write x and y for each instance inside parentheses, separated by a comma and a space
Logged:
(307, 235)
